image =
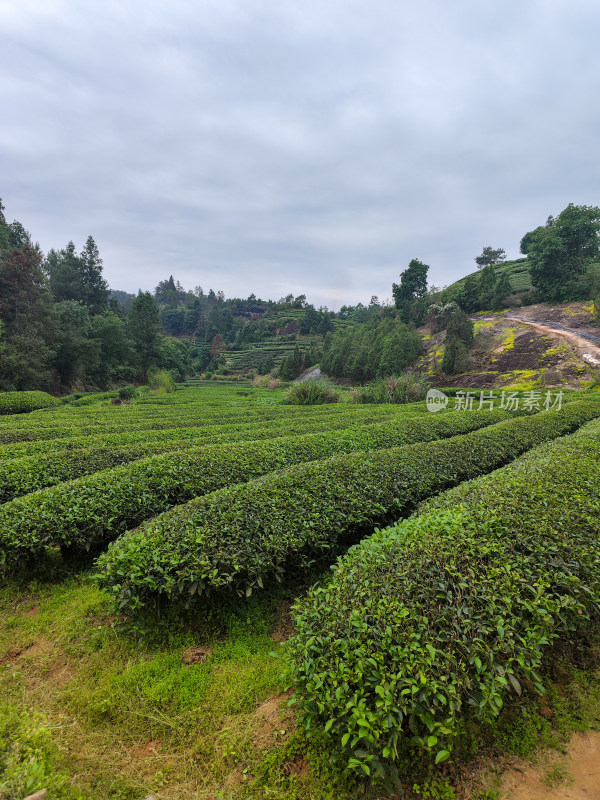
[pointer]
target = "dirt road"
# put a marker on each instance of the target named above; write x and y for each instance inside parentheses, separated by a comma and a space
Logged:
(585, 343)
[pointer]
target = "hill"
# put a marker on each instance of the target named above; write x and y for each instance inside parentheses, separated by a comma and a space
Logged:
(538, 346)
(516, 270)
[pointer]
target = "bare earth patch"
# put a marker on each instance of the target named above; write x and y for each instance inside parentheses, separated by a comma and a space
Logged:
(575, 776)
(270, 718)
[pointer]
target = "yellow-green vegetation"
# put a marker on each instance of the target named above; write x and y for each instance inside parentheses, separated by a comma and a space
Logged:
(188, 696)
(436, 358)
(509, 339)
(519, 379)
(558, 350)
(480, 325)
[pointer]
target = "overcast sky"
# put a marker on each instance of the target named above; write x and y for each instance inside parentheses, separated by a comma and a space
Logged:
(304, 146)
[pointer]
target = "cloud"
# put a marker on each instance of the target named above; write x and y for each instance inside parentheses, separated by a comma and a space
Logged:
(314, 147)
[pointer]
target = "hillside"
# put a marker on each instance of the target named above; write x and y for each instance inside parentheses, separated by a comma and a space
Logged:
(534, 346)
(517, 271)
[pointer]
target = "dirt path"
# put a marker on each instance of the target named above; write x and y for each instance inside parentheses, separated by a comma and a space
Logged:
(585, 343)
(575, 776)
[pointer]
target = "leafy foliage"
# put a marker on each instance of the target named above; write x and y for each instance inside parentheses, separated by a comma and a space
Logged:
(489, 255)
(91, 510)
(242, 535)
(411, 293)
(435, 620)
(378, 348)
(24, 402)
(561, 251)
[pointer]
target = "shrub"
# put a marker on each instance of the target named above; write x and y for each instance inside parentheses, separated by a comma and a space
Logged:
(90, 510)
(274, 383)
(432, 622)
(24, 402)
(408, 388)
(127, 392)
(311, 393)
(239, 536)
(161, 382)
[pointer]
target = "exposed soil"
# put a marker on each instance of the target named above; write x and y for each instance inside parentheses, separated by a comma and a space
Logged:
(575, 776)
(548, 343)
(581, 343)
(283, 627)
(526, 353)
(270, 718)
(196, 655)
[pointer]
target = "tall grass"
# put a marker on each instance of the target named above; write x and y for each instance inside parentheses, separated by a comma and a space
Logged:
(311, 393)
(407, 388)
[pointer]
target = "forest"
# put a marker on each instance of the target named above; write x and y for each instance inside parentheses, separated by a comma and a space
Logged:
(62, 327)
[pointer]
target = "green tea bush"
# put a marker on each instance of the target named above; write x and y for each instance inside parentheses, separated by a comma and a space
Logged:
(23, 402)
(241, 535)
(20, 476)
(93, 509)
(127, 392)
(204, 430)
(408, 388)
(430, 624)
(311, 393)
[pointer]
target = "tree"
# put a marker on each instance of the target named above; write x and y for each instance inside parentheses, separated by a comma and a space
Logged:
(455, 358)
(165, 293)
(399, 350)
(410, 293)
(559, 253)
(78, 277)
(460, 333)
(218, 346)
(143, 324)
(468, 296)
(75, 352)
(110, 334)
(25, 307)
(486, 287)
(502, 290)
(175, 356)
(490, 256)
(95, 288)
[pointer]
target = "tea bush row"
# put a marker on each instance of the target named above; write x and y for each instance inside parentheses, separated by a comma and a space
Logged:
(61, 425)
(90, 510)
(24, 402)
(47, 466)
(427, 626)
(189, 436)
(241, 535)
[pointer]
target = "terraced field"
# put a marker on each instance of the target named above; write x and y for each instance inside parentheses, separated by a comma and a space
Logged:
(150, 553)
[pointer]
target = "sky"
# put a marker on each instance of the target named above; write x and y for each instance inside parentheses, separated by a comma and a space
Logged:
(310, 147)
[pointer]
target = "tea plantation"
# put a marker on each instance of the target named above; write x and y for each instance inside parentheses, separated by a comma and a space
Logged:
(212, 594)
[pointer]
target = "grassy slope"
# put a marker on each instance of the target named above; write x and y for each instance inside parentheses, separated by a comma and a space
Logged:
(517, 271)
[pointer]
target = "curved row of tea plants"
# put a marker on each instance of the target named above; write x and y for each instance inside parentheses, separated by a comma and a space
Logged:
(61, 425)
(430, 623)
(210, 434)
(48, 467)
(239, 536)
(24, 402)
(90, 510)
